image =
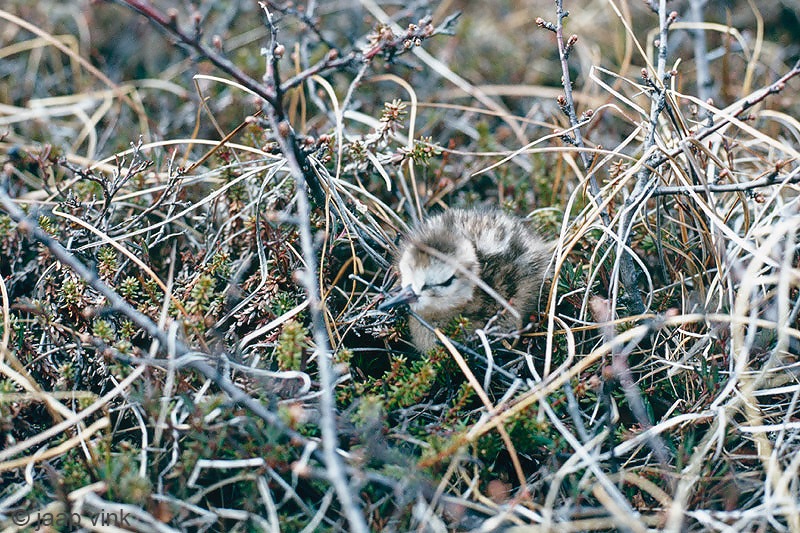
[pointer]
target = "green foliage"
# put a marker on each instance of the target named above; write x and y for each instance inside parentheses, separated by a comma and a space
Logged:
(291, 344)
(103, 330)
(129, 287)
(281, 303)
(424, 149)
(5, 225)
(409, 383)
(71, 292)
(120, 471)
(107, 262)
(48, 225)
(126, 329)
(201, 294)
(74, 472)
(370, 409)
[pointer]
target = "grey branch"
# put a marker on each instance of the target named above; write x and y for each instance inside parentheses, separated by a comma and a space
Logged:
(773, 178)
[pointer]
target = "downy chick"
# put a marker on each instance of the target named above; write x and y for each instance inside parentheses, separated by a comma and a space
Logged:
(443, 260)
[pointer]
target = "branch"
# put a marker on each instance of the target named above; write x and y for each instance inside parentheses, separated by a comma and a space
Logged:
(704, 81)
(754, 98)
(169, 23)
(382, 42)
(299, 168)
(566, 102)
(332, 61)
(311, 22)
(620, 368)
(625, 267)
(770, 179)
(327, 376)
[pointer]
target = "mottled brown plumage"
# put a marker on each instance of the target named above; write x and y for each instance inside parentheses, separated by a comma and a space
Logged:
(440, 261)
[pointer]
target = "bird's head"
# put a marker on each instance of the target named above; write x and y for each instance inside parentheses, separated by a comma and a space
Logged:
(436, 272)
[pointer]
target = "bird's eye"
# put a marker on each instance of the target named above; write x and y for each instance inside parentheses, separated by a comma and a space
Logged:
(445, 283)
(448, 282)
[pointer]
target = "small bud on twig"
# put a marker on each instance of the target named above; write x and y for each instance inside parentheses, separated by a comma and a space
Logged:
(546, 25)
(563, 104)
(216, 40)
(197, 18)
(673, 16)
(778, 87)
(570, 43)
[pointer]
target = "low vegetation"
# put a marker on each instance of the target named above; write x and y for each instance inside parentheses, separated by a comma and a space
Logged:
(199, 207)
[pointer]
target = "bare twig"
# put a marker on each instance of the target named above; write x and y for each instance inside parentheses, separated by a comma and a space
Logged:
(111, 186)
(622, 372)
(756, 97)
(773, 178)
(563, 54)
(327, 374)
(169, 22)
(625, 265)
(383, 43)
(704, 81)
(304, 16)
(645, 186)
(567, 103)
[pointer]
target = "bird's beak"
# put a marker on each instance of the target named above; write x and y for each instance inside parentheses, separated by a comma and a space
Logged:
(405, 296)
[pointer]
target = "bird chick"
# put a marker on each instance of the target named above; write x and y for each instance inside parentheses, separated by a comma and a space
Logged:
(453, 261)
